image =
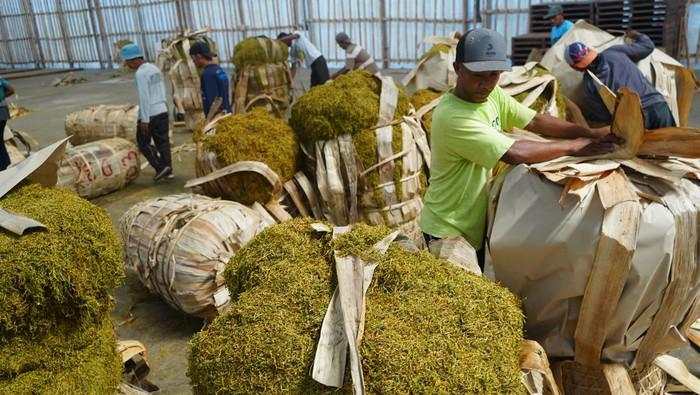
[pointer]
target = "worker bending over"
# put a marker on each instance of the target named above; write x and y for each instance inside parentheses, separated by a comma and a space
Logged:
(153, 126)
(214, 81)
(356, 57)
(468, 140)
(615, 67)
(303, 52)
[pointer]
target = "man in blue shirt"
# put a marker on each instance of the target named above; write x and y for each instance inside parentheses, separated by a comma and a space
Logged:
(560, 26)
(6, 90)
(214, 81)
(615, 67)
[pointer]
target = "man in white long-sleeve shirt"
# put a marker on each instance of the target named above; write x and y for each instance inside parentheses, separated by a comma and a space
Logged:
(153, 125)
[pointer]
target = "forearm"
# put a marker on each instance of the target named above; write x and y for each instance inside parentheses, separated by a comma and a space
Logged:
(550, 126)
(527, 151)
(339, 73)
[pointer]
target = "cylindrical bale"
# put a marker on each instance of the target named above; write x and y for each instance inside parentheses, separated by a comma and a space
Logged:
(368, 154)
(428, 326)
(254, 136)
(263, 78)
(102, 122)
(100, 167)
(179, 245)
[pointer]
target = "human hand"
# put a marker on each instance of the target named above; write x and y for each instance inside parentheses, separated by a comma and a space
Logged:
(596, 133)
(593, 147)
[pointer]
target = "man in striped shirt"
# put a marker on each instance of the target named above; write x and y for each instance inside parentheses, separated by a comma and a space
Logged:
(356, 57)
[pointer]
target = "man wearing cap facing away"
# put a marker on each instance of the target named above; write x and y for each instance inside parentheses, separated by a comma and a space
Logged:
(615, 67)
(356, 57)
(153, 125)
(468, 140)
(560, 25)
(214, 81)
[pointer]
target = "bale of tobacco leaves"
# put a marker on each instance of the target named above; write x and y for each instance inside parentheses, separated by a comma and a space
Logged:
(255, 51)
(63, 274)
(55, 332)
(67, 360)
(421, 312)
(253, 136)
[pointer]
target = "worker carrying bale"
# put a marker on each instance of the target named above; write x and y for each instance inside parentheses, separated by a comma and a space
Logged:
(100, 167)
(214, 81)
(356, 57)
(179, 245)
(56, 335)
(183, 74)
(366, 151)
(262, 76)
(615, 68)
(282, 285)
(468, 140)
(102, 122)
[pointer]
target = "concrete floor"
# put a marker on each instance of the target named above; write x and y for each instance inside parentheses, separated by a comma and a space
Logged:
(138, 314)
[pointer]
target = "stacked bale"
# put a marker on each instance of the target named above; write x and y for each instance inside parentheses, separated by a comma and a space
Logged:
(425, 101)
(179, 245)
(420, 312)
(367, 151)
(100, 167)
(262, 75)
(184, 75)
(102, 122)
(55, 332)
(254, 136)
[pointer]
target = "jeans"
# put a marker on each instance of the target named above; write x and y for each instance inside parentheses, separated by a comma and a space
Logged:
(155, 143)
(4, 156)
(658, 115)
(319, 71)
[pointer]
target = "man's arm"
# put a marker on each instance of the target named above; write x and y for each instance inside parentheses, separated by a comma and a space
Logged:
(9, 90)
(548, 125)
(527, 151)
(640, 48)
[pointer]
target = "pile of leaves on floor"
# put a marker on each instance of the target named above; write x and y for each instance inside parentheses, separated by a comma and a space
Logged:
(430, 327)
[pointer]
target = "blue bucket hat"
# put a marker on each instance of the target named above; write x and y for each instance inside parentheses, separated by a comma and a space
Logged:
(131, 51)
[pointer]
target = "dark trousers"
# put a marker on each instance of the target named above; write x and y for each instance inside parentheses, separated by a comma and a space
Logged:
(4, 156)
(658, 115)
(155, 144)
(319, 71)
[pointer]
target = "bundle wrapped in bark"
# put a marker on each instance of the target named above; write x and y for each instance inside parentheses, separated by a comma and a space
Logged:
(283, 285)
(102, 122)
(434, 69)
(367, 152)
(534, 86)
(253, 158)
(100, 167)
(624, 293)
(175, 60)
(179, 245)
(262, 75)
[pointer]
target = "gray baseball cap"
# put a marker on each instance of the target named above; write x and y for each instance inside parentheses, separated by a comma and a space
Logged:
(483, 50)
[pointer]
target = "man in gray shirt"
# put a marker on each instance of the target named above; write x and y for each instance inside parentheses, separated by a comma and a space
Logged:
(153, 125)
(356, 57)
(6, 90)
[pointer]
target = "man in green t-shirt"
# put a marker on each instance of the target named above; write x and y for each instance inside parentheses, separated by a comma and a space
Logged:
(467, 140)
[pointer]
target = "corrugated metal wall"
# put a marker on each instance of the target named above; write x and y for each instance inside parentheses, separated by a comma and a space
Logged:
(81, 33)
